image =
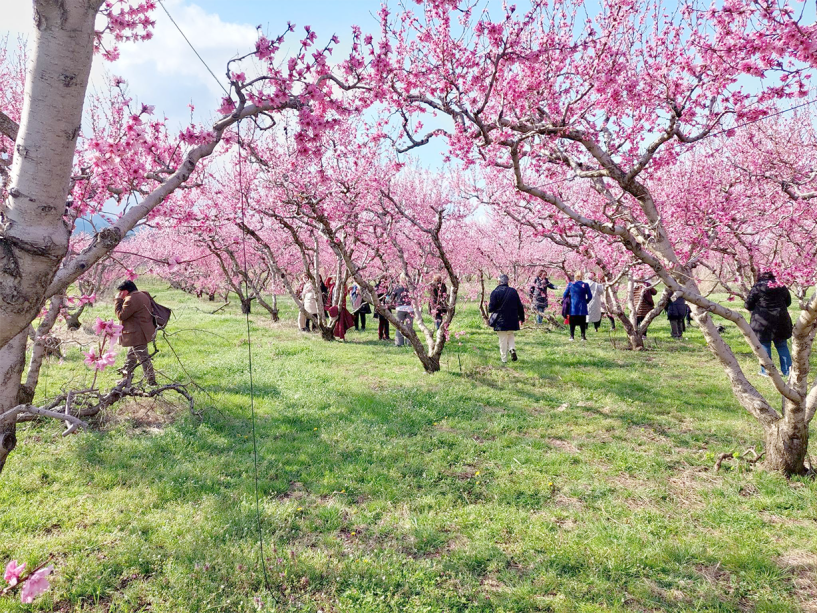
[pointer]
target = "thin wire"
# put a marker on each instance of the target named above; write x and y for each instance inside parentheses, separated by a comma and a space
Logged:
(759, 119)
(193, 48)
(249, 361)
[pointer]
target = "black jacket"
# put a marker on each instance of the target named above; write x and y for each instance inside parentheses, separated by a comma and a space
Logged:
(506, 303)
(770, 314)
(677, 309)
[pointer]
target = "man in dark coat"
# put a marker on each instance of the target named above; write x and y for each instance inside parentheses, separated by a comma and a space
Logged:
(133, 309)
(507, 313)
(768, 302)
(676, 312)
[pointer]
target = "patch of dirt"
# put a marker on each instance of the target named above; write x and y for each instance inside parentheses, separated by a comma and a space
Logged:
(565, 446)
(568, 502)
(715, 575)
(491, 584)
(803, 568)
(788, 521)
(147, 414)
(650, 434)
(686, 487)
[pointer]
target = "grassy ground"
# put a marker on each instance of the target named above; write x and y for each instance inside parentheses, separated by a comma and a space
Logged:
(577, 479)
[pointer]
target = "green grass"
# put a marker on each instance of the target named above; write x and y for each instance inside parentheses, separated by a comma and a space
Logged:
(577, 479)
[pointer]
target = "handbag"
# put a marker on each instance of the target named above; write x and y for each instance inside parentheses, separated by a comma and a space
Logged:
(566, 306)
(495, 315)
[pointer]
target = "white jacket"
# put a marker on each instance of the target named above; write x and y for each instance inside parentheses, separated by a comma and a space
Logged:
(594, 306)
(309, 299)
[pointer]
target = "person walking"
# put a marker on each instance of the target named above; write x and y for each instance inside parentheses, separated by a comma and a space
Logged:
(401, 299)
(538, 293)
(438, 300)
(310, 301)
(580, 296)
(643, 298)
(595, 304)
(133, 310)
(383, 296)
(507, 313)
(768, 303)
(676, 313)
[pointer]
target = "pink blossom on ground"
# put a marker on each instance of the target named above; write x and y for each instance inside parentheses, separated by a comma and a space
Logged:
(36, 584)
(13, 572)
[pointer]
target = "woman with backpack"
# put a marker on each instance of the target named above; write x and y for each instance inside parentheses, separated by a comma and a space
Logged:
(769, 302)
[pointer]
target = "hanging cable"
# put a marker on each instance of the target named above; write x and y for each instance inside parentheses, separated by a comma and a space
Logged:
(201, 59)
(242, 198)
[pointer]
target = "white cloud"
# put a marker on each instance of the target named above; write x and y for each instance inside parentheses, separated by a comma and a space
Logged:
(168, 55)
(17, 16)
(163, 71)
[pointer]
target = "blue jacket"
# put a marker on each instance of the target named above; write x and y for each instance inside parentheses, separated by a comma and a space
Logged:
(580, 296)
(505, 301)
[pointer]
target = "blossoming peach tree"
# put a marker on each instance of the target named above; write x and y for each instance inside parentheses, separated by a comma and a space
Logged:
(108, 147)
(616, 94)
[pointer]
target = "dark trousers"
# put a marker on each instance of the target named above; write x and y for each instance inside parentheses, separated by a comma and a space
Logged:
(360, 320)
(581, 321)
(141, 356)
(638, 321)
(677, 328)
(597, 325)
(383, 329)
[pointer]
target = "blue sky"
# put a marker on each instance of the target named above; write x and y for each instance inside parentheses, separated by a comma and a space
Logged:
(165, 73)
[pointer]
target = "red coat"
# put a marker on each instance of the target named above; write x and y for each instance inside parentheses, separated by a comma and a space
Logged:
(345, 320)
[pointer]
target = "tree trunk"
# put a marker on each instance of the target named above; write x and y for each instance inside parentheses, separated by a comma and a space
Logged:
(12, 362)
(431, 363)
(73, 322)
(328, 333)
(786, 447)
(35, 238)
(246, 306)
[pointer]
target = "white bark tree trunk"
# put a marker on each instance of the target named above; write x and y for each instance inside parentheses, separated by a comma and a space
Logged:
(33, 237)
(12, 362)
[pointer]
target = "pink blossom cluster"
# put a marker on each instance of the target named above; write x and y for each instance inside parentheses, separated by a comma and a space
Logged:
(34, 584)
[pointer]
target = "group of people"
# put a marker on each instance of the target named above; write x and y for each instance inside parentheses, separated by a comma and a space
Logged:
(393, 295)
(582, 304)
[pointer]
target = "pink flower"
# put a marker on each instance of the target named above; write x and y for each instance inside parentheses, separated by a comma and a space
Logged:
(36, 584)
(99, 362)
(173, 263)
(13, 572)
(108, 329)
(86, 299)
